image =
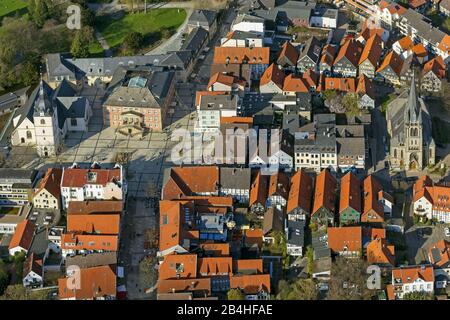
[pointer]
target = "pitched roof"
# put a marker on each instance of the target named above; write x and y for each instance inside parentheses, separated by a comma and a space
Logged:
(254, 237)
(406, 43)
(201, 285)
(237, 120)
(95, 282)
(239, 55)
(170, 223)
(251, 284)
(258, 189)
(311, 49)
(32, 264)
(295, 84)
(254, 266)
(368, 31)
(75, 241)
(178, 266)
(372, 51)
(351, 49)
(187, 181)
(324, 195)
(435, 65)
(94, 223)
(350, 193)
(328, 54)
(300, 192)
(365, 86)
(77, 177)
(94, 207)
(371, 202)
(279, 185)
(379, 251)
(216, 249)
(394, 61)
(289, 51)
(23, 236)
(420, 50)
(339, 84)
(212, 266)
(416, 3)
(51, 182)
(444, 44)
(272, 74)
(273, 220)
(221, 78)
(439, 254)
(410, 274)
(345, 238)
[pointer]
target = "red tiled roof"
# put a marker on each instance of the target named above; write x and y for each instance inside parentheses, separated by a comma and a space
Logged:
(251, 284)
(300, 192)
(372, 205)
(279, 184)
(95, 282)
(51, 182)
(444, 45)
(216, 249)
(365, 86)
(419, 50)
(328, 54)
(187, 181)
(213, 266)
(442, 248)
(77, 177)
(289, 51)
(406, 43)
(372, 50)
(414, 4)
(23, 236)
(380, 252)
(295, 84)
(239, 55)
(183, 265)
(345, 239)
(393, 60)
(339, 84)
(350, 193)
(75, 241)
(94, 223)
(324, 195)
(248, 265)
(435, 65)
(170, 223)
(95, 207)
(351, 49)
(274, 74)
(221, 78)
(202, 285)
(411, 274)
(254, 237)
(258, 189)
(245, 120)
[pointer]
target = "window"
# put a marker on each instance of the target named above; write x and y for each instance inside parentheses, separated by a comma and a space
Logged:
(73, 122)
(42, 121)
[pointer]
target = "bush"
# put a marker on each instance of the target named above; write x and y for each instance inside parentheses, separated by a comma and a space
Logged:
(132, 43)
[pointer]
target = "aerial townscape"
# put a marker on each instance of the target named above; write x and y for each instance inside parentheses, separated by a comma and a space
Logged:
(225, 150)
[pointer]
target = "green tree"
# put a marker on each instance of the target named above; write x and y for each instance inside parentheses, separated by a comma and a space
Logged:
(132, 43)
(348, 280)
(18, 292)
(30, 69)
(235, 294)
(4, 277)
(81, 42)
(350, 103)
(38, 12)
(18, 260)
(301, 289)
(417, 296)
(310, 260)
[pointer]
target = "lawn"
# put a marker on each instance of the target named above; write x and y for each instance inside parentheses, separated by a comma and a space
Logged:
(9, 210)
(151, 25)
(8, 7)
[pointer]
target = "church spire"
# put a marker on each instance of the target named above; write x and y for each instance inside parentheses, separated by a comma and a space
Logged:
(413, 105)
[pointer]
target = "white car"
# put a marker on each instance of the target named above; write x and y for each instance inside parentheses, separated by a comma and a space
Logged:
(447, 232)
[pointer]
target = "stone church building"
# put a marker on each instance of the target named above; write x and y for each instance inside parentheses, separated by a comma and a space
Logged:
(409, 127)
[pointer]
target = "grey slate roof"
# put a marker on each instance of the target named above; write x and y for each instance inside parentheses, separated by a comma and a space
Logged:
(295, 232)
(273, 220)
(203, 18)
(297, 9)
(219, 102)
(235, 178)
(424, 28)
(92, 260)
(195, 40)
(11, 99)
(22, 176)
(151, 94)
(311, 49)
(351, 146)
(317, 136)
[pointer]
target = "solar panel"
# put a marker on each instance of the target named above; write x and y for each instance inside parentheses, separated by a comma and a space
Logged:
(137, 82)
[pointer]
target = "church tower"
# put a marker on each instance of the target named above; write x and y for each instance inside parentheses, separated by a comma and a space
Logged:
(413, 130)
(46, 123)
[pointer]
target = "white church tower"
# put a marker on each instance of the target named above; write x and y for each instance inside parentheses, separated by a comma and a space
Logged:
(45, 117)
